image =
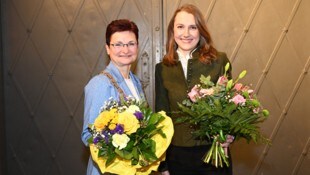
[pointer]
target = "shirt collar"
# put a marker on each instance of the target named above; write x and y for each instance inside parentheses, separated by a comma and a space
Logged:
(188, 56)
(182, 57)
(112, 69)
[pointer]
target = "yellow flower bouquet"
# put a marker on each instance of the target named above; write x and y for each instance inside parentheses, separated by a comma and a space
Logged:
(128, 138)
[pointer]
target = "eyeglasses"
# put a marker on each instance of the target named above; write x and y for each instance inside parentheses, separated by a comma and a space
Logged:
(130, 45)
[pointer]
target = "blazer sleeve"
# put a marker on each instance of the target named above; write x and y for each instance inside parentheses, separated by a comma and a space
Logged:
(97, 91)
(161, 103)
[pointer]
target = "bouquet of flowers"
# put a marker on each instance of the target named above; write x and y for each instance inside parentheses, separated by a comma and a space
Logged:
(225, 108)
(128, 138)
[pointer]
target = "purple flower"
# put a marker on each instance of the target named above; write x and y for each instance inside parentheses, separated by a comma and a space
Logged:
(106, 136)
(119, 129)
(139, 115)
(97, 139)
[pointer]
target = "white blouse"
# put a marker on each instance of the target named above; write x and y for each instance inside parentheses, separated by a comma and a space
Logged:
(184, 60)
(132, 88)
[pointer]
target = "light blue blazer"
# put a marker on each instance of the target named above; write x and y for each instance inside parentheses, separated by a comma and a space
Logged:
(98, 90)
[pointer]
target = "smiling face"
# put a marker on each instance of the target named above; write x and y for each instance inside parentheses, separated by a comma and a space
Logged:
(123, 55)
(186, 33)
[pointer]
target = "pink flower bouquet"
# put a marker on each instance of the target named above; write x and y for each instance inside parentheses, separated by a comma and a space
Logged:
(225, 108)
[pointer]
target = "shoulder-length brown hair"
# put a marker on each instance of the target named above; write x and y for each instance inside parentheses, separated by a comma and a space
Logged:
(207, 52)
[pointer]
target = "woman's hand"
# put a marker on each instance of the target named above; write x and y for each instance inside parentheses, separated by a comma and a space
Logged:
(229, 140)
(225, 145)
(165, 173)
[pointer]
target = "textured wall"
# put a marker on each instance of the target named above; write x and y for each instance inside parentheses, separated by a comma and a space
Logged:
(53, 47)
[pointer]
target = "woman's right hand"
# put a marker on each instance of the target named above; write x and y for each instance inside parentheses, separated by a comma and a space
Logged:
(165, 173)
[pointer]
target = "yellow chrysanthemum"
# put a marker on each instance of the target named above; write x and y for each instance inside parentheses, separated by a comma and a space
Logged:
(112, 126)
(104, 119)
(113, 122)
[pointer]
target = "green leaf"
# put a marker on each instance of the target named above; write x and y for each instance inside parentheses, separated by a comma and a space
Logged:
(124, 154)
(149, 129)
(135, 153)
(147, 113)
(181, 119)
(155, 131)
(90, 139)
(150, 156)
(186, 110)
(206, 80)
(162, 133)
(186, 102)
(130, 144)
(134, 161)
(135, 156)
(154, 119)
(246, 94)
(110, 159)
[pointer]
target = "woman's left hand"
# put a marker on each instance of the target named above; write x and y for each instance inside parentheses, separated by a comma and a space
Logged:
(225, 145)
(229, 140)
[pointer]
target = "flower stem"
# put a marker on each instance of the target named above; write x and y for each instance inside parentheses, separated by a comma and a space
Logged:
(216, 154)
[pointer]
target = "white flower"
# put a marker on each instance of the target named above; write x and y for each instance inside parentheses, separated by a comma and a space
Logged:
(132, 109)
(120, 140)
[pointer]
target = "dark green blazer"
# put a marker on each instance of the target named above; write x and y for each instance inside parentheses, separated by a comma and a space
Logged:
(171, 87)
